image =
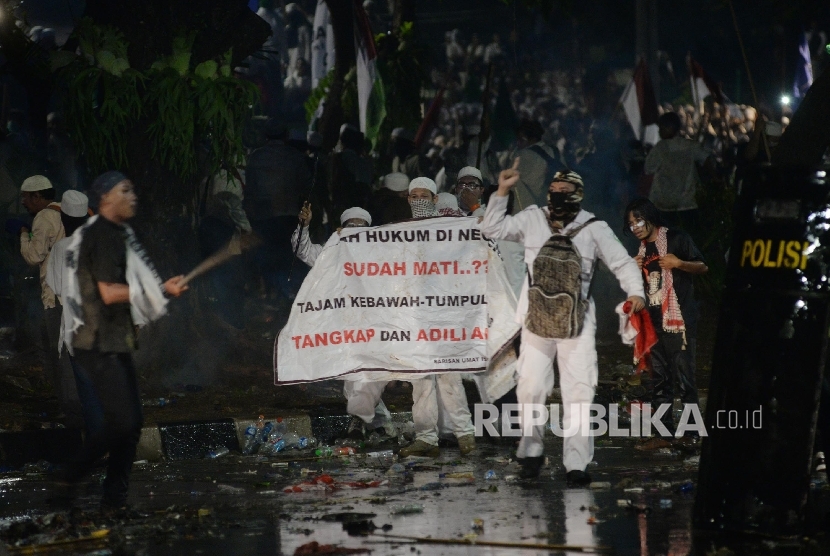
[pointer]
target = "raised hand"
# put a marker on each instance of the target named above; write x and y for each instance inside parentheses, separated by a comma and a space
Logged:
(508, 178)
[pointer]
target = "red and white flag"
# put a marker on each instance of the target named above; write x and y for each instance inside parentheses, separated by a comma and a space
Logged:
(640, 106)
(702, 83)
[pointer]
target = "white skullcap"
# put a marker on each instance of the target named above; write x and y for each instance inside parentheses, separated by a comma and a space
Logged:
(423, 183)
(74, 203)
(396, 181)
(446, 201)
(470, 171)
(355, 212)
(36, 183)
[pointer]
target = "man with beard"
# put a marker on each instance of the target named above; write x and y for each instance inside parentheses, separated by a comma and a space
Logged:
(576, 355)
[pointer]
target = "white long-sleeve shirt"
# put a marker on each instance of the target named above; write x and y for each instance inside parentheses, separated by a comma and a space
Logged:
(596, 241)
(35, 246)
(308, 252)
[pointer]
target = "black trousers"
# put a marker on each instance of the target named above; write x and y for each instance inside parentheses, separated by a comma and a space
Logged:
(58, 368)
(114, 400)
(673, 371)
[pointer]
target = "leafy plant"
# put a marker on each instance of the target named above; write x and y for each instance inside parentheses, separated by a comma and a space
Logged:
(179, 106)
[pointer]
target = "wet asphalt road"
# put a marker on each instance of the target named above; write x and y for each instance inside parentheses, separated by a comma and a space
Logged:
(237, 505)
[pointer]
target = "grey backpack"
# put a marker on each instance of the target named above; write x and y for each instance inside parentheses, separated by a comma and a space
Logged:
(556, 308)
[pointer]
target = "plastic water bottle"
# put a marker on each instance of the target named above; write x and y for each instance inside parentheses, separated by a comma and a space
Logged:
(252, 436)
(297, 442)
(273, 446)
(280, 427)
(265, 433)
(218, 452)
(490, 476)
(383, 454)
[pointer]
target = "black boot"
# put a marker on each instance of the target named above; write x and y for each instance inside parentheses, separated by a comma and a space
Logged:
(531, 467)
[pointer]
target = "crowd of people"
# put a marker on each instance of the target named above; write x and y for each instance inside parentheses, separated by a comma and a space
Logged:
(551, 161)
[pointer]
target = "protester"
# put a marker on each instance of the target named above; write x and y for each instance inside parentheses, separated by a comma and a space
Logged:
(538, 163)
(350, 174)
(673, 163)
(110, 280)
(277, 180)
(74, 214)
(576, 356)
(222, 227)
(447, 205)
(446, 386)
(669, 260)
(363, 398)
(36, 245)
(389, 203)
(468, 188)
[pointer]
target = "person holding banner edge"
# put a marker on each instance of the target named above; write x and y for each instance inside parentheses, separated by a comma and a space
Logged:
(576, 356)
(363, 398)
(444, 389)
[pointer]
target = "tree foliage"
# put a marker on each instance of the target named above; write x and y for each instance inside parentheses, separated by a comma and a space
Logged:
(181, 105)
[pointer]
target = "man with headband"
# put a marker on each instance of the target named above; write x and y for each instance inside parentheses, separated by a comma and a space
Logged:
(576, 356)
(363, 398)
(110, 282)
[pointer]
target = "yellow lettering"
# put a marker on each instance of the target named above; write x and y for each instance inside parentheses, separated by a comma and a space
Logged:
(768, 263)
(747, 251)
(757, 253)
(780, 254)
(793, 254)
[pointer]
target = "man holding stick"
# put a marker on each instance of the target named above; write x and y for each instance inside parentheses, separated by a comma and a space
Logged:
(111, 279)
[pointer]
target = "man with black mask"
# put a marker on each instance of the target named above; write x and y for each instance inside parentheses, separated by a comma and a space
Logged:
(576, 355)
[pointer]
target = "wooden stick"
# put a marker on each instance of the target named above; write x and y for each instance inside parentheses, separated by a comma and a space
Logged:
(500, 544)
(233, 248)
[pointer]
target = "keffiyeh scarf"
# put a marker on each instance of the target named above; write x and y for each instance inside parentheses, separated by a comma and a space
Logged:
(672, 317)
(147, 299)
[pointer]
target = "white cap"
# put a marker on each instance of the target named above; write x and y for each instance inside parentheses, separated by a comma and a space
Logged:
(470, 171)
(446, 201)
(74, 203)
(396, 181)
(423, 183)
(355, 212)
(36, 183)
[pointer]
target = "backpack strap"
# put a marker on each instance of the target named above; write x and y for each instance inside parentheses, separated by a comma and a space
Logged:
(579, 228)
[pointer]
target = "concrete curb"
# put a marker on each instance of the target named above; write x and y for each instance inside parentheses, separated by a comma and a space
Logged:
(151, 448)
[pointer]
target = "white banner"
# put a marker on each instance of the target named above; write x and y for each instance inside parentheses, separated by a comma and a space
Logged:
(382, 303)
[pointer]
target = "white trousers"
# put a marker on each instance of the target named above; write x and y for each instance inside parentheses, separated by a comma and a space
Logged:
(363, 400)
(447, 392)
(577, 360)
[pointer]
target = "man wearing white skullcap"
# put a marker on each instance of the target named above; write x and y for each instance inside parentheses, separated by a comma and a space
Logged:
(423, 198)
(389, 203)
(74, 213)
(423, 194)
(469, 187)
(362, 397)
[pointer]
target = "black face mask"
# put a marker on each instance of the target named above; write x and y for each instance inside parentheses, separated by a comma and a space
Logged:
(562, 204)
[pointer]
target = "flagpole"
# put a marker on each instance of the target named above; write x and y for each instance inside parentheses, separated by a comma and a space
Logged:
(485, 105)
(749, 77)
